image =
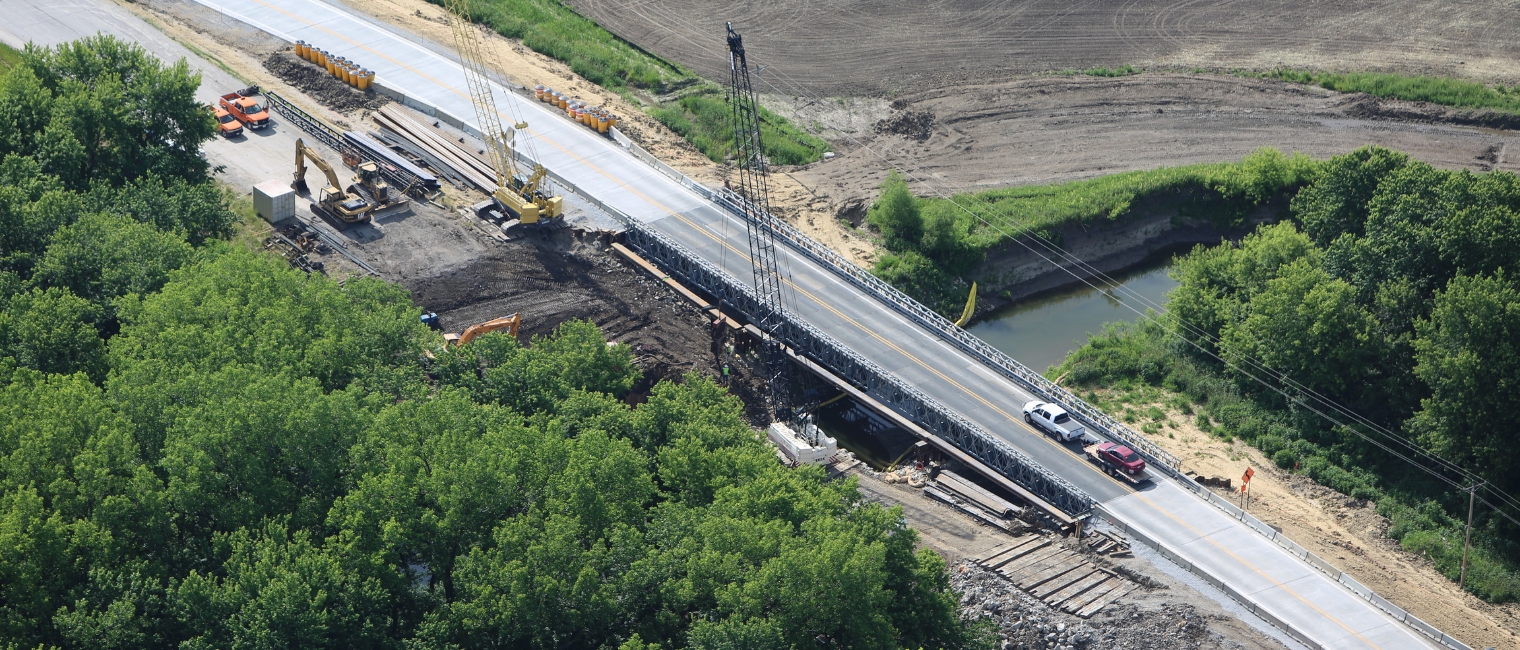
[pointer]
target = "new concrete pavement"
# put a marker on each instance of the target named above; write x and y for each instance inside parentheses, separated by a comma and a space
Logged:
(1281, 583)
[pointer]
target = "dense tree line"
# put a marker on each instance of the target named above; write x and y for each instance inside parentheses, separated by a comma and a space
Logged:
(203, 448)
(1392, 291)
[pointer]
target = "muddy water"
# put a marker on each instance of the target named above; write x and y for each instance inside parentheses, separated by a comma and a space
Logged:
(1040, 331)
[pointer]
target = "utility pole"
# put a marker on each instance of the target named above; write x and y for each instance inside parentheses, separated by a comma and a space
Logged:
(1472, 493)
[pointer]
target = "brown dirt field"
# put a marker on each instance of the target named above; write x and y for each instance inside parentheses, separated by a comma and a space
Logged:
(1063, 128)
(888, 47)
(1346, 532)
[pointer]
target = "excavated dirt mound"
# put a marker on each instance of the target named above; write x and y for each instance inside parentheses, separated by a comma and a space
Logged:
(557, 277)
(319, 85)
(914, 125)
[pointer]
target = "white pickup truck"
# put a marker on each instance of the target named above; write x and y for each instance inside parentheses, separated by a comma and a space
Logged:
(1053, 420)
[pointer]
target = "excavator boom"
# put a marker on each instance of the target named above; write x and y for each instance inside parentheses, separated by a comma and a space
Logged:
(303, 153)
(508, 323)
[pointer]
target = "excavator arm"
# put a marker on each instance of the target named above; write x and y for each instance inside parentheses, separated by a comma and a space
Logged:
(302, 153)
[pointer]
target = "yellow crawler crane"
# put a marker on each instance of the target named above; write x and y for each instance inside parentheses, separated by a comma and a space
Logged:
(522, 196)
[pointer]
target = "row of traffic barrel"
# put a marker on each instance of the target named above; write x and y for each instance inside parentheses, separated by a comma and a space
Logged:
(593, 116)
(343, 69)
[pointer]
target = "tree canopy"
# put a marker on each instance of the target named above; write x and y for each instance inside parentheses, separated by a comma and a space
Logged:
(201, 447)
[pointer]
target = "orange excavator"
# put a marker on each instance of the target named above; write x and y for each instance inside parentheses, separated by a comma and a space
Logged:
(508, 323)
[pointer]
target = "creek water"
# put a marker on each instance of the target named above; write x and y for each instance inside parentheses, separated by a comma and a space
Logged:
(1039, 332)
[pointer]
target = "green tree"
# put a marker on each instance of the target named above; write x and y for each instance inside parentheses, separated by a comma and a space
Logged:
(54, 331)
(1216, 283)
(102, 257)
(897, 215)
(1309, 326)
(280, 589)
(117, 113)
(1336, 204)
(1468, 352)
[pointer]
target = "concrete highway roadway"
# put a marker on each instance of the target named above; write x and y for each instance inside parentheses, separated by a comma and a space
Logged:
(596, 165)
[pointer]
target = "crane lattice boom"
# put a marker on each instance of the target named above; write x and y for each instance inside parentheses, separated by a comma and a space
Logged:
(522, 196)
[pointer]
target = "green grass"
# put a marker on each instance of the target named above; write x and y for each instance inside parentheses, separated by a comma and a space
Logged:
(703, 118)
(1438, 90)
(1219, 190)
(9, 57)
(553, 29)
(1121, 71)
(1223, 193)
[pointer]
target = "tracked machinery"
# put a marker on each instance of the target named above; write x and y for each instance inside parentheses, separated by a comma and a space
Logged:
(331, 201)
(525, 197)
(793, 430)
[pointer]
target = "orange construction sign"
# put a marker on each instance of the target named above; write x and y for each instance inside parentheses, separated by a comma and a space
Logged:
(1246, 479)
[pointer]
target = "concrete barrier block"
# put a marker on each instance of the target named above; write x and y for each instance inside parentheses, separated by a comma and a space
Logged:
(1392, 609)
(1453, 643)
(1316, 562)
(1355, 586)
(1426, 628)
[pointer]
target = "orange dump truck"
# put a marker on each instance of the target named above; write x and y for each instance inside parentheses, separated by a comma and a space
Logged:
(245, 107)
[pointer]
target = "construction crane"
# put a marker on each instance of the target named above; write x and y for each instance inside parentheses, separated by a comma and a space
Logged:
(523, 197)
(754, 201)
(332, 200)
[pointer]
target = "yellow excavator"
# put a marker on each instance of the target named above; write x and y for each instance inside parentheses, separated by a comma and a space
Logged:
(523, 196)
(335, 202)
(508, 323)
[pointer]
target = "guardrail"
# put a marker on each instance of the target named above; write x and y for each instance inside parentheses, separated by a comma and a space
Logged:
(839, 359)
(1094, 419)
(1272, 534)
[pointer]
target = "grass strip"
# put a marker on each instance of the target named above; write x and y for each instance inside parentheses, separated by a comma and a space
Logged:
(9, 57)
(554, 29)
(1446, 91)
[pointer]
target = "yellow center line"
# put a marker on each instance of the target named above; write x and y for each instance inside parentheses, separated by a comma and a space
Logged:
(1274, 581)
(1017, 421)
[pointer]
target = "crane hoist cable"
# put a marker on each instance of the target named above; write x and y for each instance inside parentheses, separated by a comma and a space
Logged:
(525, 196)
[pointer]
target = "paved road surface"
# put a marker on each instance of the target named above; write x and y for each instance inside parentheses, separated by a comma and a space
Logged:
(600, 167)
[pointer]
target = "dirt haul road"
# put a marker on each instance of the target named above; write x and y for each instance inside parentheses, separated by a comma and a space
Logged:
(885, 47)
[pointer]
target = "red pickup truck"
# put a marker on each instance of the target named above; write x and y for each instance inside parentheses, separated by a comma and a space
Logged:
(245, 108)
(1119, 461)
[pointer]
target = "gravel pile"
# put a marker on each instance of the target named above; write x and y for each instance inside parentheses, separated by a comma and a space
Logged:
(1026, 623)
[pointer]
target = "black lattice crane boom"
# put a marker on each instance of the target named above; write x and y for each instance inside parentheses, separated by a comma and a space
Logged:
(754, 200)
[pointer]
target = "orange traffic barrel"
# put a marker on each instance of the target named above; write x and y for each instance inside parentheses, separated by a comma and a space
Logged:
(299, 46)
(330, 63)
(602, 123)
(351, 75)
(342, 71)
(564, 102)
(538, 92)
(612, 120)
(366, 79)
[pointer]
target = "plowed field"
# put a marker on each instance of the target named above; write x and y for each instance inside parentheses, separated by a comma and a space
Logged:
(884, 47)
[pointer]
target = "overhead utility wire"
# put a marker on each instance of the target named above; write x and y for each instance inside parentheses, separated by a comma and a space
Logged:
(802, 91)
